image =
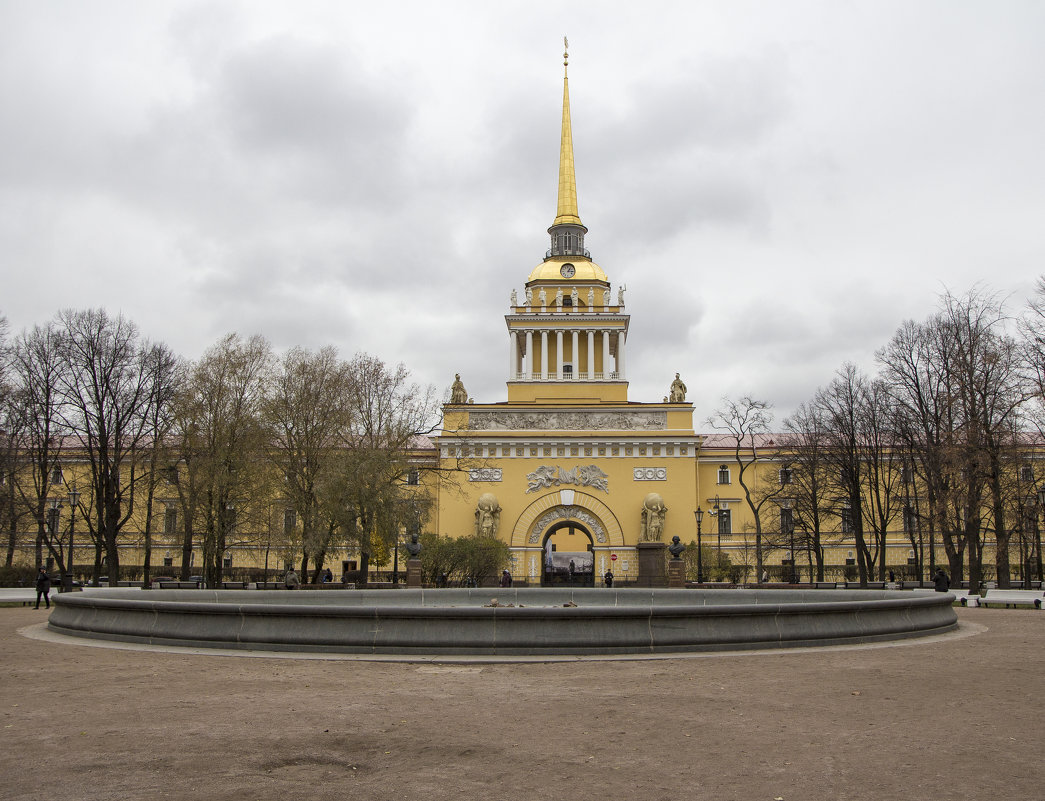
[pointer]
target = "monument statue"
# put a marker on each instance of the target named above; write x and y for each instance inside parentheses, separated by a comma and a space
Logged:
(678, 390)
(515, 298)
(487, 515)
(575, 298)
(558, 298)
(458, 394)
(653, 513)
(529, 296)
(543, 297)
(620, 294)
(676, 548)
(413, 547)
(591, 298)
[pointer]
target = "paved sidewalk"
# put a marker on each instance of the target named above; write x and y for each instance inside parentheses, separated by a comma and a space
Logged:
(949, 717)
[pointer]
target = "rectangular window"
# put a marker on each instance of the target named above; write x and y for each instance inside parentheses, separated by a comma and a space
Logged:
(785, 476)
(170, 520)
(787, 521)
(910, 524)
(725, 522)
(290, 522)
(56, 476)
(723, 475)
(413, 478)
(847, 520)
(170, 474)
(1026, 473)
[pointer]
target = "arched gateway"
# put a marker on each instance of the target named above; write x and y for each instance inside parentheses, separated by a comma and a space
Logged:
(561, 527)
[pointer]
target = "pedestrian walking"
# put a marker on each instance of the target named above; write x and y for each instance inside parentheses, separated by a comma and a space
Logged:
(506, 578)
(43, 587)
(608, 578)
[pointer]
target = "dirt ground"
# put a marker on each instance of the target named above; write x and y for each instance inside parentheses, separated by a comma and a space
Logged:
(958, 717)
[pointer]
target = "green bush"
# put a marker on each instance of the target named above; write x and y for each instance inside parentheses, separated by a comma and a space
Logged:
(459, 558)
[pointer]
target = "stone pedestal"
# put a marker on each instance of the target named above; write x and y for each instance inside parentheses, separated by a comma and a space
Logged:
(413, 573)
(677, 574)
(651, 565)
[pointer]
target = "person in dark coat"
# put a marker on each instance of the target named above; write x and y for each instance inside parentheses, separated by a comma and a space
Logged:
(941, 581)
(608, 578)
(506, 578)
(43, 587)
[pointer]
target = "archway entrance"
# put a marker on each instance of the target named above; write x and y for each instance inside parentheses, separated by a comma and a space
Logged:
(569, 556)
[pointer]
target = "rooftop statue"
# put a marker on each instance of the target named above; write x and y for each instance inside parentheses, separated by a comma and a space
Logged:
(678, 390)
(458, 394)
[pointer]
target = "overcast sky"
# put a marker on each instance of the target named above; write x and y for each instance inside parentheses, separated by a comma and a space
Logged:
(779, 184)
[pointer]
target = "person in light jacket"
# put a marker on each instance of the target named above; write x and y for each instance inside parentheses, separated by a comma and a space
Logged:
(291, 580)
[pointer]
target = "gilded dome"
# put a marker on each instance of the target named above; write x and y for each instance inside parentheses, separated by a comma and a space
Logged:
(551, 269)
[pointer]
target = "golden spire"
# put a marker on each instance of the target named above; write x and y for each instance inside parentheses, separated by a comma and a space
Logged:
(567, 208)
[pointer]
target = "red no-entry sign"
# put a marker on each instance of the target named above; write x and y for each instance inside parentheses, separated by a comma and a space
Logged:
(613, 557)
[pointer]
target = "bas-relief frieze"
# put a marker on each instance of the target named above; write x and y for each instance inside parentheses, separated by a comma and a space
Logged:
(568, 513)
(485, 474)
(567, 421)
(583, 475)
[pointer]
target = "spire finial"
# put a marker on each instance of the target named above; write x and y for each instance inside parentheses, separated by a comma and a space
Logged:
(567, 205)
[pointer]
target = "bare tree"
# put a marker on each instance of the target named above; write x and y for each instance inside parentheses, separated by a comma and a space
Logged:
(307, 412)
(35, 417)
(375, 490)
(107, 392)
(804, 457)
(746, 422)
(222, 446)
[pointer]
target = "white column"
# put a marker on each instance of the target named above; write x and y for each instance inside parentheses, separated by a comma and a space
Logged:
(513, 355)
(528, 358)
(575, 356)
(605, 355)
(591, 354)
(558, 353)
(544, 355)
(620, 355)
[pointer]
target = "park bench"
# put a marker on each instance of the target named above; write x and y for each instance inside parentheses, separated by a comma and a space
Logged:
(964, 597)
(234, 585)
(825, 585)
(270, 585)
(130, 583)
(179, 585)
(1013, 598)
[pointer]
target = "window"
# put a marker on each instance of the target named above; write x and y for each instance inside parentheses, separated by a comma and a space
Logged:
(413, 478)
(230, 519)
(1026, 473)
(787, 521)
(56, 476)
(567, 302)
(168, 561)
(723, 474)
(847, 520)
(785, 476)
(290, 521)
(725, 522)
(910, 521)
(567, 369)
(170, 520)
(170, 474)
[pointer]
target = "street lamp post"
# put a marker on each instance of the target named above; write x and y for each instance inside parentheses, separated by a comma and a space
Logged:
(1037, 533)
(74, 503)
(699, 514)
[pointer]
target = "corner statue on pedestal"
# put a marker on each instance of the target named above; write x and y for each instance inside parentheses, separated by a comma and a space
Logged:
(678, 390)
(653, 512)
(487, 515)
(458, 394)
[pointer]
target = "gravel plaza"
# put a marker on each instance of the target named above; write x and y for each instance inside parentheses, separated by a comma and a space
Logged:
(956, 715)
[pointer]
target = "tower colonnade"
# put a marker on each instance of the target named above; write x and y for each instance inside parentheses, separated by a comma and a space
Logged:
(537, 352)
